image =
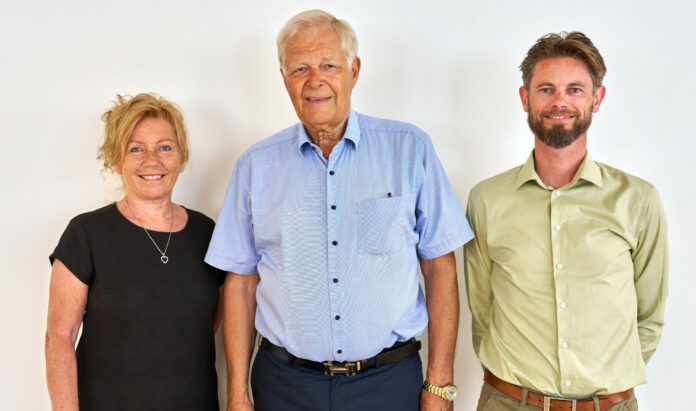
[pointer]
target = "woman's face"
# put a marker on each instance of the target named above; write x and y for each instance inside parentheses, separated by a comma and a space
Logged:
(152, 162)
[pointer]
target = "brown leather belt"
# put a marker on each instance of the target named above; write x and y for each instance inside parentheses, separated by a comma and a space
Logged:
(556, 404)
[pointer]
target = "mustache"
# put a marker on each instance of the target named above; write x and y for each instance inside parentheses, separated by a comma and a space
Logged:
(556, 112)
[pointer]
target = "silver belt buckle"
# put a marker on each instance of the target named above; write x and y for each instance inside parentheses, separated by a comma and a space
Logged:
(349, 368)
(547, 402)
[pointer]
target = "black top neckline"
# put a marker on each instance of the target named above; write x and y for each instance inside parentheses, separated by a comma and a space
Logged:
(115, 209)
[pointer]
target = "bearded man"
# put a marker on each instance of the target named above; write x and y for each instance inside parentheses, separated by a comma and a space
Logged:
(567, 274)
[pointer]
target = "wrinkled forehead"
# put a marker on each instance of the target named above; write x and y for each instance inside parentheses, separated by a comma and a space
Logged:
(314, 38)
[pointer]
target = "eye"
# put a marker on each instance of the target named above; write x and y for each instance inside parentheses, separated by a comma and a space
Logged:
(545, 90)
(135, 150)
(300, 70)
(166, 148)
(575, 90)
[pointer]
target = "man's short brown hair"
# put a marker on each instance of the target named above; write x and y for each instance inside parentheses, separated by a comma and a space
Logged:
(574, 44)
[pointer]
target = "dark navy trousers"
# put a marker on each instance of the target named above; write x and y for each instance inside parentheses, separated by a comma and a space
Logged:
(279, 386)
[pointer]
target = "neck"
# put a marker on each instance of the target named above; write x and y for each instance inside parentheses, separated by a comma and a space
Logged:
(557, 166)
(152, 214)
(326, 137)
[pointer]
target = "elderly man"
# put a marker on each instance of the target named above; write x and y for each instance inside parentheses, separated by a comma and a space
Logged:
(567, 277)
(322, 230)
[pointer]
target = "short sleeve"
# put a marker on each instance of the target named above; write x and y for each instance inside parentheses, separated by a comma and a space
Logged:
(440, 220)
(232, 246)
(73, 250)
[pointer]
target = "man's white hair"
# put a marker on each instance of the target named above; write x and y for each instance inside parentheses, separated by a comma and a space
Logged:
(317, 18)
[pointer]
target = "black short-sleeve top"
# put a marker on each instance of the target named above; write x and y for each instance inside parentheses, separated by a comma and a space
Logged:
(147, 340)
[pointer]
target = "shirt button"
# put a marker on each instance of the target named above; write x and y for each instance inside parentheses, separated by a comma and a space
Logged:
(333, 207)
(334, 242)
(564, 345)
(562, 305)
(567, 383)
(557, 192)
(557, 227)
(339, 351)
(559, 266)
(335, 280)
(338, 317)
(331, 172)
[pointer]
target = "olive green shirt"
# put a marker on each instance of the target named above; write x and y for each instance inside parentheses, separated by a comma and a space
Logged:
(567, 287)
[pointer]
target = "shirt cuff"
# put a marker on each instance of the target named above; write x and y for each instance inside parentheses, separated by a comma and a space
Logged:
(226, 264)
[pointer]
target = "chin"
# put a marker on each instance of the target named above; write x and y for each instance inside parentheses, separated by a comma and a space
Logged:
(317, 122)
(155, 195)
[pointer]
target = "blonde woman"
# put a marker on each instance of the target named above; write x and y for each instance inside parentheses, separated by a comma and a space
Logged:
(132, 275)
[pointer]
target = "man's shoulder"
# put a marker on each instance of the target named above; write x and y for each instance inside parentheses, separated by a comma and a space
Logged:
(612, 177)
(281, 139)
(393, 127)
(497, 185)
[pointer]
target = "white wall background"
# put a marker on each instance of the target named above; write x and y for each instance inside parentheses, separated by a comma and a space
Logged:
(448, 66)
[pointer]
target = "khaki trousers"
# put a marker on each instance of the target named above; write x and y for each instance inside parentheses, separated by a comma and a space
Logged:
(494, 400)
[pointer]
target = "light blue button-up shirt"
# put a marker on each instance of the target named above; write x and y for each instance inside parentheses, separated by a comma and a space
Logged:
(336, 243)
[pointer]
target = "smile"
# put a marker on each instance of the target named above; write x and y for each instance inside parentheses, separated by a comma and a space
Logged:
(153, 177)
(559, 119)
(317, 99)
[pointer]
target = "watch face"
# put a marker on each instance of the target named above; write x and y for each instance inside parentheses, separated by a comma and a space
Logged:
(451, 393)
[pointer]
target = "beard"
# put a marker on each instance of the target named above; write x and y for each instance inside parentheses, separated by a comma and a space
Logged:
(557, 136)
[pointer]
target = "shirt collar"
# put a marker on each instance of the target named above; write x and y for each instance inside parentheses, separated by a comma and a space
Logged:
(588, 171)
(352, 133)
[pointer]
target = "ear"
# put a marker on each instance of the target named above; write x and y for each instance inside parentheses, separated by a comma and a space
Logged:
(285, 79)
(598, 98)
(524, 96)
(356, 70)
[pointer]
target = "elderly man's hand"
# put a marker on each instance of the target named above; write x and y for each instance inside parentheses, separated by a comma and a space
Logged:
(431, 402)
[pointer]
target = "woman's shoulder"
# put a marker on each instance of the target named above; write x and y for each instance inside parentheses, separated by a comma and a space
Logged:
(101, 213)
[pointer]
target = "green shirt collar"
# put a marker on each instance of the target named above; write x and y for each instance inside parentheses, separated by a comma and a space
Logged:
(588, 171)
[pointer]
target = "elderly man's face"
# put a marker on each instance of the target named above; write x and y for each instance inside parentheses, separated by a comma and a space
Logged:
(318, 78)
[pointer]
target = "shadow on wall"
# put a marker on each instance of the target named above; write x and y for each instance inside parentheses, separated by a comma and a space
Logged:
(245, 108)
(474, 120)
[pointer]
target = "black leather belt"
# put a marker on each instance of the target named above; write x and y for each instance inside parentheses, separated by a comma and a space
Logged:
(397, 352)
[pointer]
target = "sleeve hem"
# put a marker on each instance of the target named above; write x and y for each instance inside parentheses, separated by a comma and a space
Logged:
(229, 266)
(68, 265)
(451, 244)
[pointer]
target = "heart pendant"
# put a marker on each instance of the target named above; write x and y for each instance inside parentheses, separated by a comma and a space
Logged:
(164, 259)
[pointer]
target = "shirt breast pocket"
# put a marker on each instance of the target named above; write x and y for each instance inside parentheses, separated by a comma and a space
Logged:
(380, 225)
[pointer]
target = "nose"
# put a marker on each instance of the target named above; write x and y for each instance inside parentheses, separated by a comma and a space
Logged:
(316, 77)
(559, 99)
(151, 157)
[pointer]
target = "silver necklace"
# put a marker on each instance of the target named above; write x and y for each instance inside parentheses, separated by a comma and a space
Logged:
(164, 257)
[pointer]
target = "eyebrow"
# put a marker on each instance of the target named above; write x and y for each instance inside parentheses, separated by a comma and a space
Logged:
(573, 84)
(325, 59)
(157, 142)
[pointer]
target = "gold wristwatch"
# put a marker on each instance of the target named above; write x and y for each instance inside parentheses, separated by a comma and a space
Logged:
(448, 392)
